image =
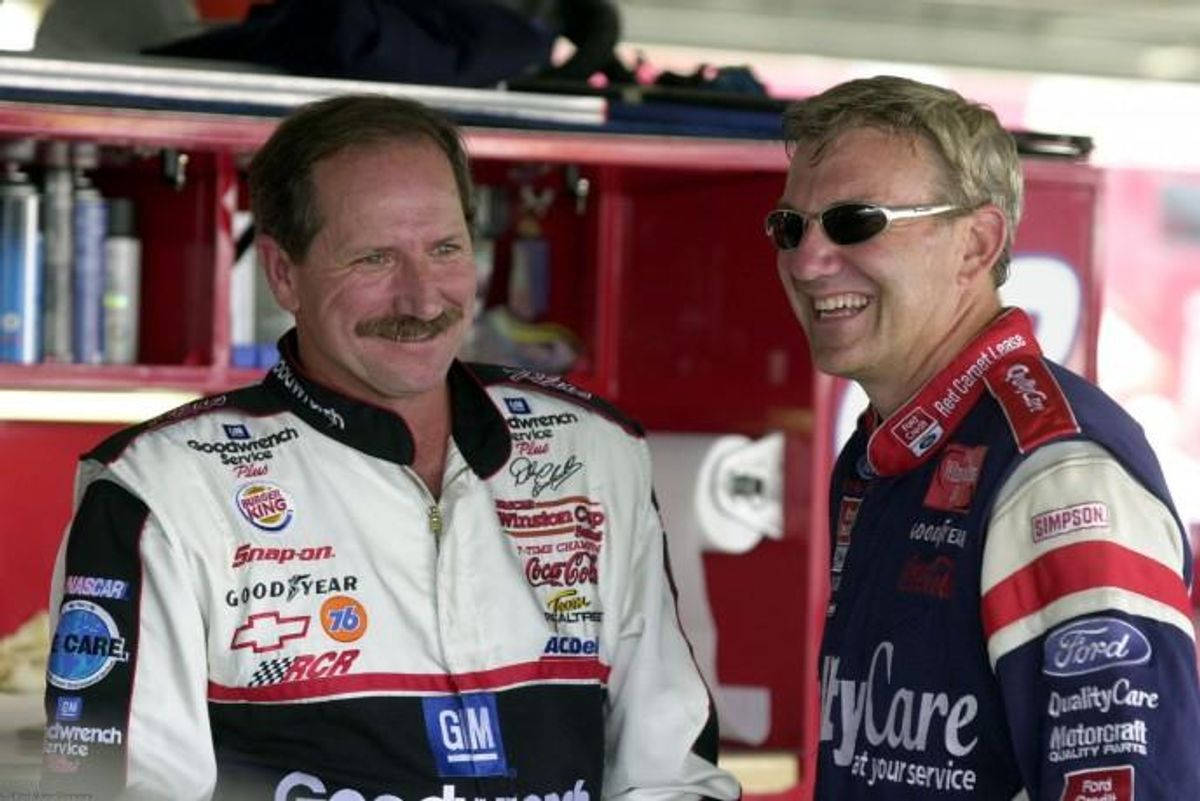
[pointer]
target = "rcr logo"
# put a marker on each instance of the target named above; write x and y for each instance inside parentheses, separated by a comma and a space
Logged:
(297, 780)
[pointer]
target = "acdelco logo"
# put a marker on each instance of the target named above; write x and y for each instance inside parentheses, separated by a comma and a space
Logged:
(563, 646)
(1092, 644)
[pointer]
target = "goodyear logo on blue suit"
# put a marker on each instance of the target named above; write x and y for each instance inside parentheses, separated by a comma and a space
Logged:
(464, 735)
(85, 647)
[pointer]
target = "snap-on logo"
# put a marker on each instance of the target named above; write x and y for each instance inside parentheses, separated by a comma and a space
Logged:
(247, 553)
(265, 506)
(1092, 644)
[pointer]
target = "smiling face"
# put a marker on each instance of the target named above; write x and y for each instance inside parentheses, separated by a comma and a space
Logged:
(383, 296)
(884, 312)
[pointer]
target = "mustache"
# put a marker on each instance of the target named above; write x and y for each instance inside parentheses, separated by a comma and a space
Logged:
(405, 327)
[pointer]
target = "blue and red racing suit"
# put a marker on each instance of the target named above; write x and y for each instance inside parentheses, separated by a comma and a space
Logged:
(1009, 616)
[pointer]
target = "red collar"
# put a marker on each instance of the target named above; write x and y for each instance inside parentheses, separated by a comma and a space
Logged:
(916, 431)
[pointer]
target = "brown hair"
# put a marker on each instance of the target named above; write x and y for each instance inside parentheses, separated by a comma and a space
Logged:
(282, 195)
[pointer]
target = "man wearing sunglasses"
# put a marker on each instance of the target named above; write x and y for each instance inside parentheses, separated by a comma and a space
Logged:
(1008, 616)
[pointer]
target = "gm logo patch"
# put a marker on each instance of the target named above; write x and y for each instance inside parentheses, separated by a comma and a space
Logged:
(68, 707)
(236, 430)
(464, 735)
(517, 405)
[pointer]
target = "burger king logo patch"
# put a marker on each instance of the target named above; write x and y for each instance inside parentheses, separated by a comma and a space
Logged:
(265, 506)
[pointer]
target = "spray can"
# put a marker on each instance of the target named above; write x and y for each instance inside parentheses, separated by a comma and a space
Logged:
(89, 228)
(122, 283)
(57, 252)
(20, 258)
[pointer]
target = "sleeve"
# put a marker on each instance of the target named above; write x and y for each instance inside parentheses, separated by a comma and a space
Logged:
(125, 701)
(661, 728)
(1088, 626)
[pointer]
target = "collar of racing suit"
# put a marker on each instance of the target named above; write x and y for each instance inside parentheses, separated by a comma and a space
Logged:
(917, 431)
(478, 428)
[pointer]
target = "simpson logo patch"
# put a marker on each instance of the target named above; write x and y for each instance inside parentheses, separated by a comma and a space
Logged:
(1056, 522)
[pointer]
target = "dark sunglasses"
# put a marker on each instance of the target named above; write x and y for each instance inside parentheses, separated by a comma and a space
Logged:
(845, 223)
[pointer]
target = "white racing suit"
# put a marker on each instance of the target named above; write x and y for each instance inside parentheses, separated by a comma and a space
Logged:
(258, 598)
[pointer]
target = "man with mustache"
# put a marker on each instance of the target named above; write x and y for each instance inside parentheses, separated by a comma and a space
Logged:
(381, 573)
(1009, 617)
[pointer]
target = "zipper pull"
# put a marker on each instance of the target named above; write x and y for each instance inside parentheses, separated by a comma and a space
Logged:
(435, 520)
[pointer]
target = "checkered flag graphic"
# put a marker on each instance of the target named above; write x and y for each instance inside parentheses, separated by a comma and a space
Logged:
(270, 672)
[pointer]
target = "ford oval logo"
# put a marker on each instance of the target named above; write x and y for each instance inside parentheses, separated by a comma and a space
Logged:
(1092, 644)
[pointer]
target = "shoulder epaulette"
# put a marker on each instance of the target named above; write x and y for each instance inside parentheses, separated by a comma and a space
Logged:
(249, 400)
(1033, 402)
(492, 375)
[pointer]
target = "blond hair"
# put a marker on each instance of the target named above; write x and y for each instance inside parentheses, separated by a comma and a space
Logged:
(979, 161)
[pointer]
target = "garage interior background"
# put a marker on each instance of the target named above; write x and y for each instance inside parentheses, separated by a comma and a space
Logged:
(1122, 73)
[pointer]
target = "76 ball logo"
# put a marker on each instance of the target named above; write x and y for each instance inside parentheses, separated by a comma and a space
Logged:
(343, 618)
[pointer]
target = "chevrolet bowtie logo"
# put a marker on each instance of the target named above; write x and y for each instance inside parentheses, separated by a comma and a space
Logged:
(267, 631)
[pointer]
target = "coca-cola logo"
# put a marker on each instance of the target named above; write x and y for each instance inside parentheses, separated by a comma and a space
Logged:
(934, 578)
(579, 568)
(1092, 644)
(1018, 378)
